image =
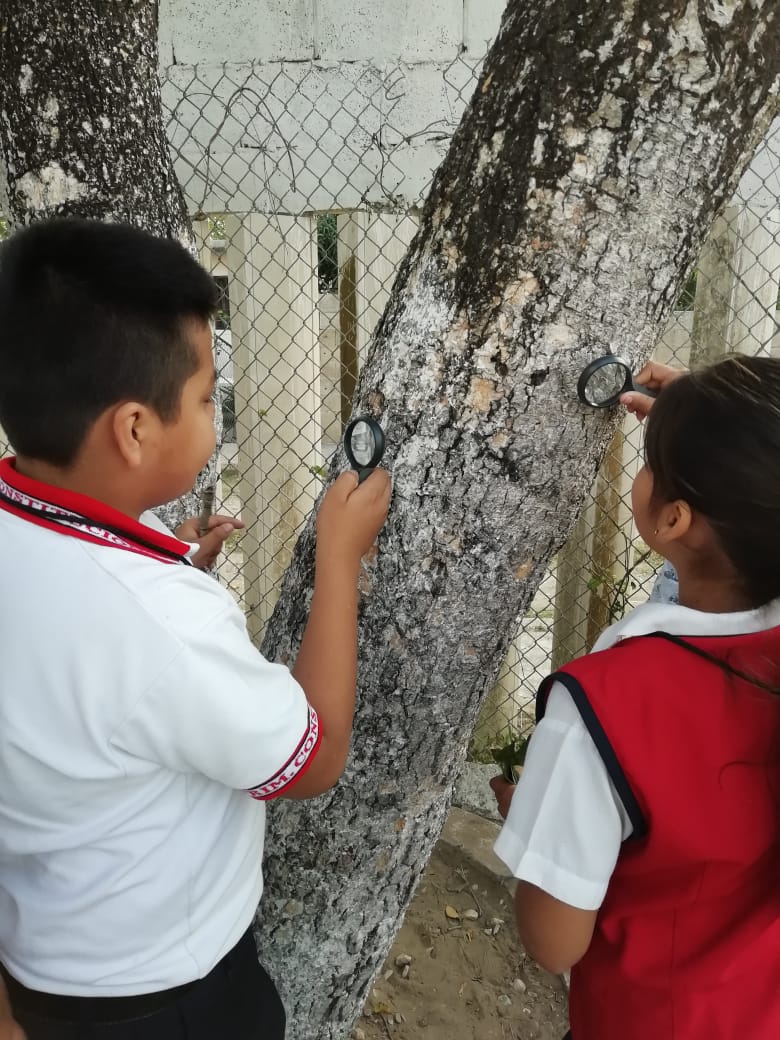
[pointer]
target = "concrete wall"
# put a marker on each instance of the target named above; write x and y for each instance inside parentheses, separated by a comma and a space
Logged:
(375, 31)
(299, 105)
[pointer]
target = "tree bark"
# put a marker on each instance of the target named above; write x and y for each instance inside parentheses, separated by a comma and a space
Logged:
(602, 139)
(81, 127)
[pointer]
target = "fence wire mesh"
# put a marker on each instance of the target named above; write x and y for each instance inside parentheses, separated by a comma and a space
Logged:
(304, 183)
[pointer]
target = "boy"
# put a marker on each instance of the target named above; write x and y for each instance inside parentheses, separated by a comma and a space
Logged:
(140, 730)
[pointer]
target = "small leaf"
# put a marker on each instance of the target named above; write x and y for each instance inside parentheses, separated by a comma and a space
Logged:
(451, 912)
(381, 1007)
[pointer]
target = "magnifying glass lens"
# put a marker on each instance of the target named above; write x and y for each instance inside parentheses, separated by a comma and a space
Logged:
(362, 444)
(605, 384)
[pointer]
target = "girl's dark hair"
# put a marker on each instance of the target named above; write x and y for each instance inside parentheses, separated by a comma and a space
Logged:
(713, 440)
(92, 313)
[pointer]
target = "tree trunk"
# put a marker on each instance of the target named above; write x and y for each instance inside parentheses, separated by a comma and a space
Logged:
(82, 129)
(602, 139)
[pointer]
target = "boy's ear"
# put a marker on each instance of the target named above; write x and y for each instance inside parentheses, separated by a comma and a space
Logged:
(674, 521)
(132, 427)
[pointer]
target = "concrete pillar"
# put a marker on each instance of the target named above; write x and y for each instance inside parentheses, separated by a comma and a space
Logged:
(713, 306)
(595, 557)
(757, 268)
(276, 366)
(737, 286)
(371, 247)
(572, 595)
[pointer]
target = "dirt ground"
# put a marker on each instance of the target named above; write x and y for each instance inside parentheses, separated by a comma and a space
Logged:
(457, 971)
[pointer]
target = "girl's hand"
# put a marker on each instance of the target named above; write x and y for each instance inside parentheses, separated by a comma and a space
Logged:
(220, 529)
(655, 377)
(504, 792)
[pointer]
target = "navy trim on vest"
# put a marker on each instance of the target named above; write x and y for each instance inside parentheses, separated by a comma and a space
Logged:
(603, 746)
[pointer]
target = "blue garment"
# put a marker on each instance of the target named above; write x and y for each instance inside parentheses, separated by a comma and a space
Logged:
(666, 588)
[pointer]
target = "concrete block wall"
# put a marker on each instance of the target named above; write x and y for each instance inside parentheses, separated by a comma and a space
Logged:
(304, 106)
(216, 31)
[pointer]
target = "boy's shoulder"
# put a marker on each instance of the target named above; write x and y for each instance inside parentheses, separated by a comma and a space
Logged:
(103, 587)
(179, 598)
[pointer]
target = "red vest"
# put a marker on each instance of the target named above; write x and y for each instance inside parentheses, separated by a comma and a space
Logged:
(687, 942)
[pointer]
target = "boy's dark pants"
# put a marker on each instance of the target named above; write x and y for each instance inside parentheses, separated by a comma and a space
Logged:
(236, 1000)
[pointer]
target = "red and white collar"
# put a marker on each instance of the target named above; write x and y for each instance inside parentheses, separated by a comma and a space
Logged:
(82, 517)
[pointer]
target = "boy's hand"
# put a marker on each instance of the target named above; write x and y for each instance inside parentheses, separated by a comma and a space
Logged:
(504, 792)
(654, 377)
(348, 520)
(351, 515)
(9, 1029)
(220, 529)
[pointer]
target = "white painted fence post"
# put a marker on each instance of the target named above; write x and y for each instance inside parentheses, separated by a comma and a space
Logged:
(375, 243)
(276, 364)
(330, 356)
(757, 267)
(736, 286)
(371, 247)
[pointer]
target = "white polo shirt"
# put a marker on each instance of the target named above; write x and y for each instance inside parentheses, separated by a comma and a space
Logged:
(566, 822)
(135, 715)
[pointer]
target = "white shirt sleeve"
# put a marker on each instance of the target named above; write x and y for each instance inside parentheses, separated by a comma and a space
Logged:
(220, 709)
(566, 822)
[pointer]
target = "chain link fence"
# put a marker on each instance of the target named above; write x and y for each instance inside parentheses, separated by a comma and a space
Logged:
(304, 182)
(729, 304)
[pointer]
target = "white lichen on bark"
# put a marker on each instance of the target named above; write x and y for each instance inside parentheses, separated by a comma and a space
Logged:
(49, 188)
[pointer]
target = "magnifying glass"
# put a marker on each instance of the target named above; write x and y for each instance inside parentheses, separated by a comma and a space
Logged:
(605, 379)
(364, 443)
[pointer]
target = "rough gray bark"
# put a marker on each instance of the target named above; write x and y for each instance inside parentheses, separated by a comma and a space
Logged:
(601, 140)
(81, 127)
(82, 130)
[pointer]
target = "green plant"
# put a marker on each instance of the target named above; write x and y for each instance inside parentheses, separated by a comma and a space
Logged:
(621, 589)
(624, 587)
(684, 301)
(511, 754)
(327, 252)
(216, 225)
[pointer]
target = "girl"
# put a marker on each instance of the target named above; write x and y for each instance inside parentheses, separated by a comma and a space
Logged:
(645, 828)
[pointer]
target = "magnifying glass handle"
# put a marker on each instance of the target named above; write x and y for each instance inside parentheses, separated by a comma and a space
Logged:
(636, 388)
(206, 509)
(363, 472)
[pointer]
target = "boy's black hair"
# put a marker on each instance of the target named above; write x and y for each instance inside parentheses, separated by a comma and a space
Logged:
(92, 314)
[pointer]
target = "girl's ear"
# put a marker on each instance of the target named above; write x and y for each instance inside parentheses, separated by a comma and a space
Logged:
(673, 521)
